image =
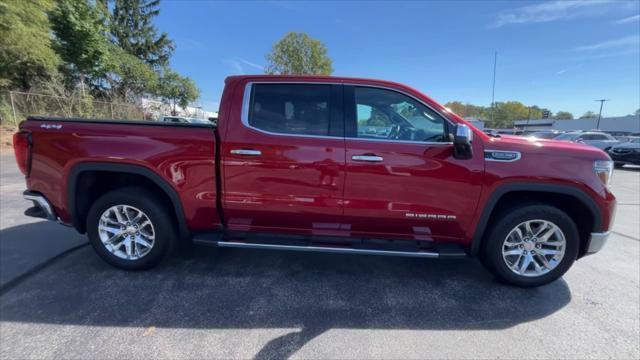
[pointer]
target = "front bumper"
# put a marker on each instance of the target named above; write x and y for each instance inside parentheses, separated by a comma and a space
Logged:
(596, 242)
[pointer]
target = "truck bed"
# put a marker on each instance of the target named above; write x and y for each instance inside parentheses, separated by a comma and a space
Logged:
(71, 156)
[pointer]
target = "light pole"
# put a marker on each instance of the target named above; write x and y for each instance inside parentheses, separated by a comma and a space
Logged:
(600, 114)
(493, 87)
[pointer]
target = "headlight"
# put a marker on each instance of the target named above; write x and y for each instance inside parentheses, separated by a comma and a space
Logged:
(604, 170)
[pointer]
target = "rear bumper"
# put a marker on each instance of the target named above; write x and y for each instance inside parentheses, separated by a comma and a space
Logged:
(597, 241)
(41, 206)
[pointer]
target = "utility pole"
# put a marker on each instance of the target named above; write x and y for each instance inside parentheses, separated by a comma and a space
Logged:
(493, 88)
(602, 101)
(13, 107)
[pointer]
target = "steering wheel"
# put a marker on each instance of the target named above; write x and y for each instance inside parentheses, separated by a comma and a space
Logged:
(394, 132)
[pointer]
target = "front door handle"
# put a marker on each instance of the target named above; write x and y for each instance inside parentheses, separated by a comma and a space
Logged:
(248, 152)
(369, 158)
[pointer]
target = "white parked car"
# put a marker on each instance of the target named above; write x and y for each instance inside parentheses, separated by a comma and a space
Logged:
(174, 119)
(594, 138)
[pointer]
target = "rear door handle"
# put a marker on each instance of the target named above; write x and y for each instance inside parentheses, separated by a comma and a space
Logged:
(247, 152)
(369, 158)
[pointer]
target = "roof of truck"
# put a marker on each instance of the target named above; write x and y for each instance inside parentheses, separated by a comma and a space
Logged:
(315, 78)
(346, 80)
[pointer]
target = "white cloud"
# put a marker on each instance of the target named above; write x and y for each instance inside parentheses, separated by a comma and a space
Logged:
(282, 4)
(548, 11)
(561, 72)
(252, 64)
(191, 43)
(632, 40)
(627, 19)
(236, 65)
(608, 54)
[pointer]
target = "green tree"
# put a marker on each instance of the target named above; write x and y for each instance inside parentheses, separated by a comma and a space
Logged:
(588, 115)
(133, 30)
(81, 39)
(505, 113)
(129, 76)
(563, 115)
(176, 90)
(298, 53)
(537, 112)
(26, 54)
(466, 110)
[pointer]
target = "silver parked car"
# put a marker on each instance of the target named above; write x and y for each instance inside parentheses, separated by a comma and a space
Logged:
(594, 138)
(184, 120)
(545, 134)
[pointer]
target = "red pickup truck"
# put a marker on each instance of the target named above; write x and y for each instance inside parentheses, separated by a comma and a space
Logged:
(321, 164)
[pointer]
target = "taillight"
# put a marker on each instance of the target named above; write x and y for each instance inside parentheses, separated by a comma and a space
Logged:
(22, 149)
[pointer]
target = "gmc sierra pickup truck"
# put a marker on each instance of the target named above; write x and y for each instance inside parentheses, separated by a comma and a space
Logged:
(329, 164)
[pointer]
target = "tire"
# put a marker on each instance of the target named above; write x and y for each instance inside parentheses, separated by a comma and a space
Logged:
(127, 201)
(618, 165)
(535, 215)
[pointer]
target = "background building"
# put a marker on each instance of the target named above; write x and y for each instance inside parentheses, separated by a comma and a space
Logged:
(630, 124)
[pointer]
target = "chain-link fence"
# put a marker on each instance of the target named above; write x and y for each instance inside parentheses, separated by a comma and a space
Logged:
(22, 104)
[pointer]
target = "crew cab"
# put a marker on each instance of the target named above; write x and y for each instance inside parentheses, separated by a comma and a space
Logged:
(324, 164)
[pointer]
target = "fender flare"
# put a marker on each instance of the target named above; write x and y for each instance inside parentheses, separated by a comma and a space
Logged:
(502, 190)
(151, 175)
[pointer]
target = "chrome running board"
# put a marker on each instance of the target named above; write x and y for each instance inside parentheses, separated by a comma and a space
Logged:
(327, 249)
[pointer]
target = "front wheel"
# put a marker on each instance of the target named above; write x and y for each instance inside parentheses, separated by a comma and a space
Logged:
(130, 228)
(531, 245)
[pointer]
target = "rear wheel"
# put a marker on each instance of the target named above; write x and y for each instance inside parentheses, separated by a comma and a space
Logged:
(130, 228)
(531, 245)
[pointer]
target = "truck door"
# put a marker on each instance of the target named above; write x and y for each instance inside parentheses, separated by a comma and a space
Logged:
(283, 159)
(402, 180)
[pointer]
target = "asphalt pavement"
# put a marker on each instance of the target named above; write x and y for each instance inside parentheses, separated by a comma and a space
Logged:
(233, 303)
(25, 243)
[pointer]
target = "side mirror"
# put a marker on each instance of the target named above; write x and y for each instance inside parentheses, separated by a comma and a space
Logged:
(462, 142)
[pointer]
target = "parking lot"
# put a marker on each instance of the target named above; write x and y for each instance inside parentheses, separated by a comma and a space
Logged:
(231, 303)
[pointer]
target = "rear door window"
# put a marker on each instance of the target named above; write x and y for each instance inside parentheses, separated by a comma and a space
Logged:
(300, 109)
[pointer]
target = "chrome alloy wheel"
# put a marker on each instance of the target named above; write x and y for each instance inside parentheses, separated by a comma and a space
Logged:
(126, 232)
(533, 248)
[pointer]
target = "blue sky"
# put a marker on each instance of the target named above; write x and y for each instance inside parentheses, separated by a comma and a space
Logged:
(558, 54)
